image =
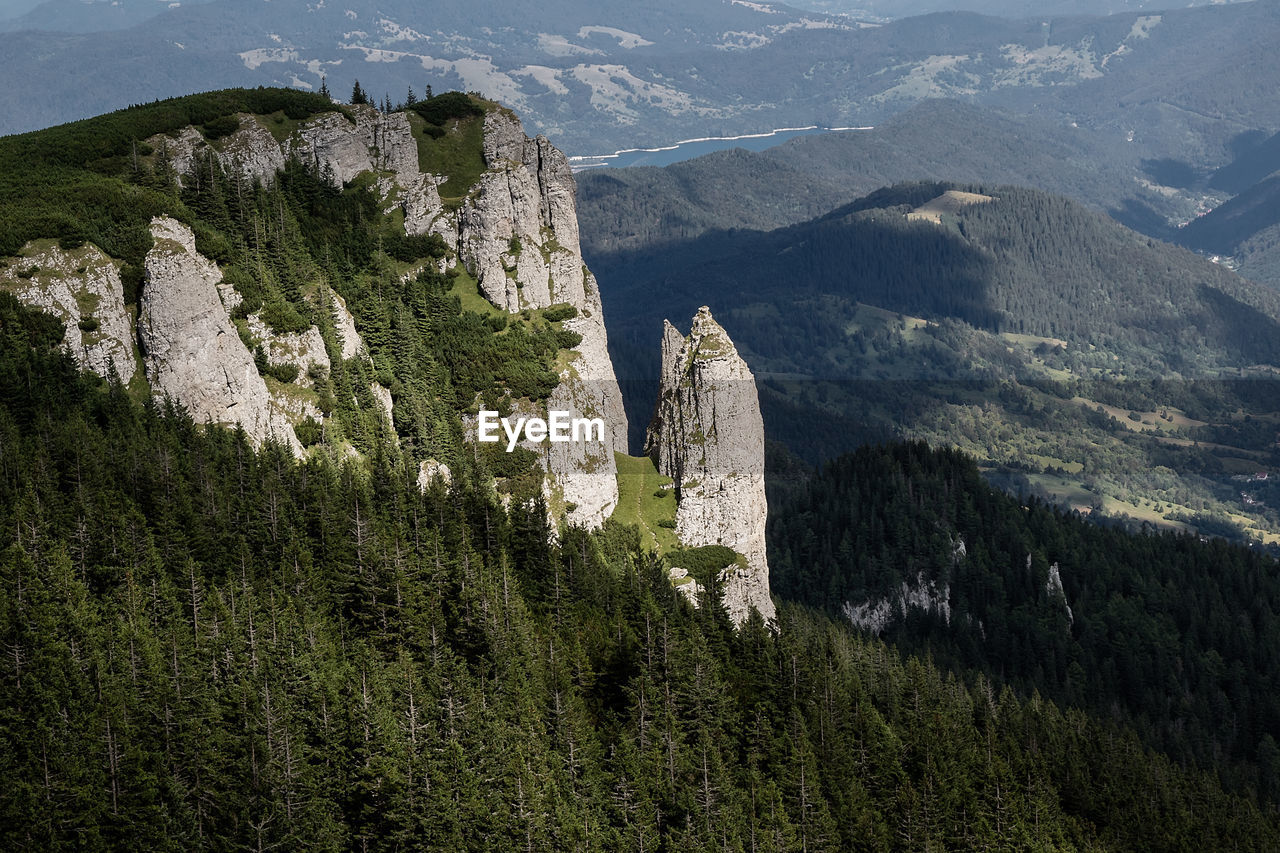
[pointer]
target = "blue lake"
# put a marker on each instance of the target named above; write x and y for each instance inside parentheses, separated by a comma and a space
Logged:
(690, 148)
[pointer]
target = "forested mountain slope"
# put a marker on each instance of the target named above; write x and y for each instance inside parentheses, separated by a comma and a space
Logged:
(1045, 339)
(812, 175)
(208, 646)
(1180, 637)
(364, 630)
(1008, 260)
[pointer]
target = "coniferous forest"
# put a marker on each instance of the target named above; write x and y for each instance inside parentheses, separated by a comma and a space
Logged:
(207, 645)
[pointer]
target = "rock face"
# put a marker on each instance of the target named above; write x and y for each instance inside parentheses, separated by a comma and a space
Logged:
(516, 232)
(519, 227)
(518, 235)
(81, 287)
(424, 211)
(1053, 586)
(368, 141)
(301, 349)
(930, 596)
(252, 152)
(192, 350)
(352, 343)
(375, 141)
(584, 472)
(708, 436)
(431, 471)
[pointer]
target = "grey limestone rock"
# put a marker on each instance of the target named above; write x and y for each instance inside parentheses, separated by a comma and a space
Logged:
(518, 235)
(191, 349)
(81, 287)
(431, 471)
(708, 436)
(301, 349)
(252, 152)
(424, 212)
(368, 141)
(352, 343)
(875, 615)
(516, 232)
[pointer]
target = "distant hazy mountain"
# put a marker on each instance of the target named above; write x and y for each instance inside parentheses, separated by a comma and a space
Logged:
(806, 177)
(84, 16)
(892, 9)
(601, 76)
(1079, 359)
(14, 8)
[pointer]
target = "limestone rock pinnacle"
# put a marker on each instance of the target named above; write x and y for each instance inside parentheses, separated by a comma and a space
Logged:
(707, 434)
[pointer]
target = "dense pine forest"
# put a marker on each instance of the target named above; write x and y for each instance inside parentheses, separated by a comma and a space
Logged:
(1174, 635)
(208, 647)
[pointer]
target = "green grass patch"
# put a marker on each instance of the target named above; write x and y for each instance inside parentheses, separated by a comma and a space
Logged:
(280, 125)
(638, 479)
(458, 154)
(467, 289)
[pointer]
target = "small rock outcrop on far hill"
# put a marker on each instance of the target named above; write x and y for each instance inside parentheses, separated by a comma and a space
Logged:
(192, 350)
(707, 434)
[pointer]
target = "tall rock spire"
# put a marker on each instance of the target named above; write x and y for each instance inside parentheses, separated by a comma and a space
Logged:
(708, 436)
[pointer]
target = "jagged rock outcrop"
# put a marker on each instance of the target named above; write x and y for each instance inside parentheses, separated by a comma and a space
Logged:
(352, 343)
(424, 211)
(924, 594)
(301, 349)
(252, 152)
(382, 397)
(518, 235)
(875, 615)
(81, 287)
(179, 150)
(431, 471)
(685, 584)
(516, 232)
(1053, 586)
(518, 228)
(708, 436)
(583, 472)
(369, 140)
(191, 349)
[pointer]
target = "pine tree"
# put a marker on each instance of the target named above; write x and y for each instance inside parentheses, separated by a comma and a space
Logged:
(358, 95)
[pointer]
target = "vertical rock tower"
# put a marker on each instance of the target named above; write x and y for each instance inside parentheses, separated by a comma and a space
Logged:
(708, 436)
(517, 233)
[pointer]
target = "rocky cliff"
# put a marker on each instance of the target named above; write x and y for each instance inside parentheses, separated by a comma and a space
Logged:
(191, 349)
(81, 287)
(511, 224)
(708, 436)
(518, 235)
